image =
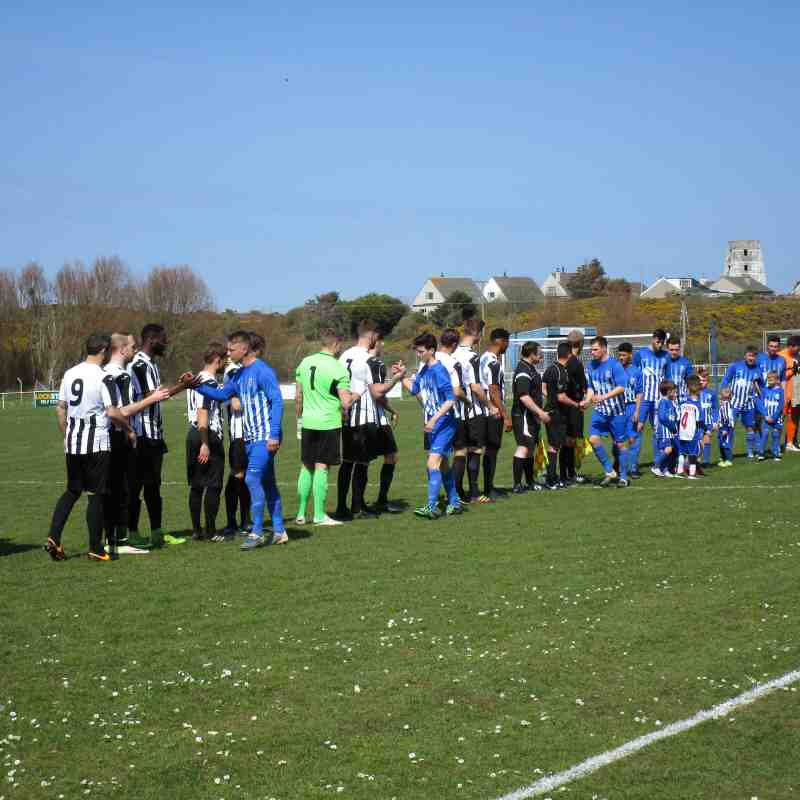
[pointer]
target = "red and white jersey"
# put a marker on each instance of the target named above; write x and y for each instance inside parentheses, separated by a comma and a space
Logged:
(86, 390)
(689, 420)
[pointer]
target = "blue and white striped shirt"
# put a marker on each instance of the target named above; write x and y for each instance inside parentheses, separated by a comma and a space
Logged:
(257, 387)
(770, 404)
(740, 378)
(708, 402)
(433, 382)
(652, 365)
(667, 419)
(678, 370)
(725, 414)
(768, 364)
(602, 378)
(633, 384)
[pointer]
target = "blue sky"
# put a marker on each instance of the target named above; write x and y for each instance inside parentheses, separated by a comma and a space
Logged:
(286, 150)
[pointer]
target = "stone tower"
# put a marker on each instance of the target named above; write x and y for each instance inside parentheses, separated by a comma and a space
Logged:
(744, 260)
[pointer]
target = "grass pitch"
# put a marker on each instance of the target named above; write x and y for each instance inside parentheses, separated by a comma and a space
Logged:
(402, 658)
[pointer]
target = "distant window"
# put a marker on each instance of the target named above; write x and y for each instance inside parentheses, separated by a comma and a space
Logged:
(745, 266)
(745, 252)
(429, 296)
(491, 295)
(551, 291)
(685, 283)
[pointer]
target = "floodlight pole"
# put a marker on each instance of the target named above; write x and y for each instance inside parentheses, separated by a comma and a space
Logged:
(19, 381)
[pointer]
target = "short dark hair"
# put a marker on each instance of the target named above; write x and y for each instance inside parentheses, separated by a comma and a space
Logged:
(449, 337)
(241, 336)
(702, 372)
(498, 334)
(97, 342)
(693, 382)
(529, 349)
(660, 333)
(563, 350)
(329, 336)
(751, 348)
(665, 387)
(474, 326)
(793, 341)
(625, 347)
(774, 338)
(152, 331)
(601, 340)
(426, 340)
(366, 326)
(214, 350)
(257, 342)
(674, 340)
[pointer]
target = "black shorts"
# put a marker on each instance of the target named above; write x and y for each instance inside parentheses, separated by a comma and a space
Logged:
(208, 475)
(461, 439)
(237, 456)
(123, 460)
(574, 423)
(476, 432)
(556, 430)
(494, 433)
(360, 444)
(526, 430)
(149, 460)
(320, 447)
(88, 473)
(385, 444)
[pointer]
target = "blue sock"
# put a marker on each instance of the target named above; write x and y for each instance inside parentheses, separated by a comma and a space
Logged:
(257, 499)
(763, 440)
(707, 453)
(776, 443)
(449, 483)
(602, 456)
(659, 458)
(623, 463)
(633, 453)
(434, 487)
(750, 438)
(654, 442)
(273, 496)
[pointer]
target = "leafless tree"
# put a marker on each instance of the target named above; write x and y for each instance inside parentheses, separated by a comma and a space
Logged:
(33, 288)
(112, 281)
(174, 291)
(9, 300)
(73, 285)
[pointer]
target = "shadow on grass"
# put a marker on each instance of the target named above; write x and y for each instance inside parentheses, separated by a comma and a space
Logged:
(8, 547)
(296, 534)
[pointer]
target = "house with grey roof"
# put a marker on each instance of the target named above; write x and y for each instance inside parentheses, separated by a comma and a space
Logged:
(520, 291)
(556, 284)
(669, 286)
(435, 291)
(729, 284)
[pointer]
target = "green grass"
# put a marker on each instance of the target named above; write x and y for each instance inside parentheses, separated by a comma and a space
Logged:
(514, 641)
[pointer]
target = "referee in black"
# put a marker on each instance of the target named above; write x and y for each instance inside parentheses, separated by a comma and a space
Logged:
(527, 414)
(576, 391)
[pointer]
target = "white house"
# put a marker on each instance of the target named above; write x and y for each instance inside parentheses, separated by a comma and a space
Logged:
(665, 287)
(435, 291)
(556, 283)
(729, 284)
(502, 289)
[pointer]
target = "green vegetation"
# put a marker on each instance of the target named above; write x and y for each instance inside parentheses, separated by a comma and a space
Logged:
(453, 659)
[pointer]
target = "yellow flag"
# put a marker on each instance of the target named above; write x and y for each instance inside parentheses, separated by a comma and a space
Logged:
(540, 459)
(583, 448)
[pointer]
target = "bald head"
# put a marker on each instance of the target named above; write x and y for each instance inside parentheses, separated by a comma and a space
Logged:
(123, 347)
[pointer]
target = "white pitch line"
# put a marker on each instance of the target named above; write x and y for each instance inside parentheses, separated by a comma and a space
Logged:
(547, 784)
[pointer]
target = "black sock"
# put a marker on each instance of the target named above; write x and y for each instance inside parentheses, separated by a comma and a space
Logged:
(387, 474)
(572, 472)
(231, 499)
(343, 486)
(473, 471)
(518, 469)
(94, 521)
(489, 466)
(529, 470)
(152, 499)
(359, 487)
(552, 465)
(563, 463)
(211, 507)
(244, 503)
(134, 507)
(195, 506)
(109, 507)
(61, 514)
(459, 468)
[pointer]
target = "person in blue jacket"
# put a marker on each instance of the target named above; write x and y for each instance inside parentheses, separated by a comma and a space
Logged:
(770, 406)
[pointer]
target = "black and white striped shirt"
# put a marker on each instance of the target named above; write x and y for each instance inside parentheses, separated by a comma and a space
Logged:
(196, 401)
(85, 391)
(491, 372)
(453, 367)
(235, 418)
(363, 411)
(146, 378)
(119, 387)
(470, 368)
(378, 368)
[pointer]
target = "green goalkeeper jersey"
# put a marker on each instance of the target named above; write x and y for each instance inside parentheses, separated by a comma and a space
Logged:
(320, 376)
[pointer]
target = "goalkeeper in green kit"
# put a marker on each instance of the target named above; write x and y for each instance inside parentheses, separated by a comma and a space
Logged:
(322, 396)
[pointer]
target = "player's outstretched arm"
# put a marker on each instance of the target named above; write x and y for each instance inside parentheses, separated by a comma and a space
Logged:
(132, 409)
(230, 388)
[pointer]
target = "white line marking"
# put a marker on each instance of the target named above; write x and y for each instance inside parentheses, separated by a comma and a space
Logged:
(547, 784)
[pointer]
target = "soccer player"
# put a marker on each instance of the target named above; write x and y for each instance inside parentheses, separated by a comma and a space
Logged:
(322, 396)
(386, 445)
(577, 391)
(470, 441)
(360, 431)
(498, 419)
(446, 355)
(771, 361)
(84, 409)
(666, 430)
(677, 367)
(433, 387)
(690, 429)
(742, 379)
(725, 423)
(652, 361)
(710, 406)
(606, 390)
(236, 492)
(150, 445)
(205, 453)
(770, 405)
(633, 401)
(556, 383)
(527, 414)
(256, 385)
(792, 408)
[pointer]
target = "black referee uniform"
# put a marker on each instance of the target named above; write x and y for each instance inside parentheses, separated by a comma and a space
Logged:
(525, 422)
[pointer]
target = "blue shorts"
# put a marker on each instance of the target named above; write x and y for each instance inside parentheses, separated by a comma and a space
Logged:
(647, 411)
(615, 426)
(663, 444)
(630, 429)
(725, 437)
(441, 440)
(689, 447)
(747, 416)
(773, 426)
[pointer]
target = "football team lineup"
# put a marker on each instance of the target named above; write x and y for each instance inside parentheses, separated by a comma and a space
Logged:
(554, 630)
